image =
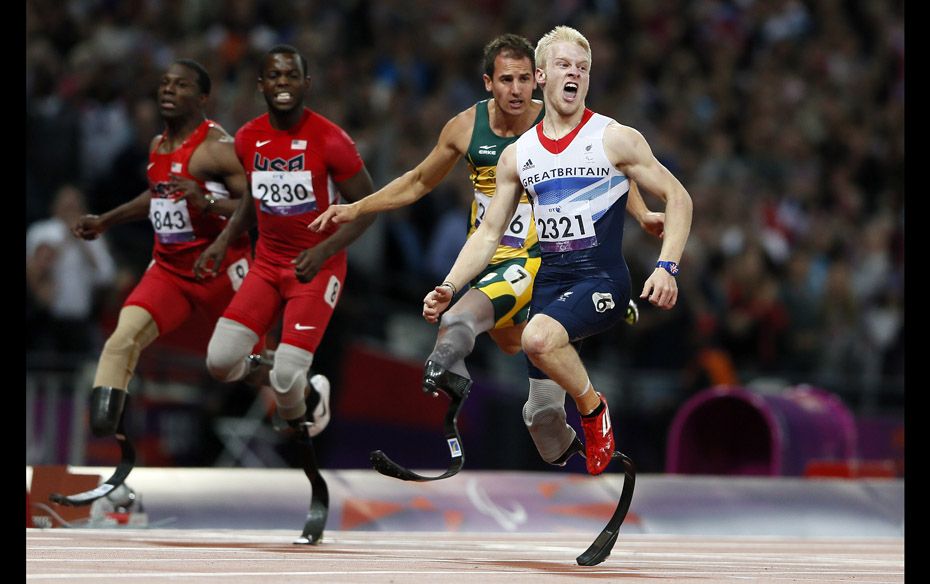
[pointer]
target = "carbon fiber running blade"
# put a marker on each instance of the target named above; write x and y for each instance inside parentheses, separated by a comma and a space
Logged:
(384, 465)
(316, 517)
(126, 464)
(319, 499)
(600, 550)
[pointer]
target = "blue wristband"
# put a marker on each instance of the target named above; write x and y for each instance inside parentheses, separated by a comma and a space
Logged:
(670, 267)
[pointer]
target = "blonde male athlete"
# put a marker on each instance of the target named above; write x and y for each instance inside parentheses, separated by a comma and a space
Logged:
(576, 167)
(498, 300)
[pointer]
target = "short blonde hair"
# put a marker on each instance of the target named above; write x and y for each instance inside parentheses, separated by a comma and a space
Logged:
(559, 34)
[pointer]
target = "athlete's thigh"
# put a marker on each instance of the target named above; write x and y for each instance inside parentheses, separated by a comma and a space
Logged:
(509, 287)
(509, 338)
(309, 307)
(164, 295)
(584, 307)
(256, 303)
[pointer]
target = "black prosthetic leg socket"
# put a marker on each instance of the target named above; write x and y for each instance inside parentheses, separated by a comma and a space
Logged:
(106, 410)
(576, 447)
(438, 378)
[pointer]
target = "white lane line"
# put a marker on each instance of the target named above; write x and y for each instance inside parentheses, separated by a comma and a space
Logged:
(400, 546)
(194, 548)
(443, 573)
(326, 550)
(577, 572)
(778, 567)
(330, 559)
(409, 539)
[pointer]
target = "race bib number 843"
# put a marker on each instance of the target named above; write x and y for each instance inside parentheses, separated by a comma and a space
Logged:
(171, 220)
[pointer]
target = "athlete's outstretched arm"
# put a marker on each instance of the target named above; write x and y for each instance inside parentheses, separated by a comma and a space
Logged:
(479, 248)
(630, 153)
(91, 226)
(414, 184)
(308, 262)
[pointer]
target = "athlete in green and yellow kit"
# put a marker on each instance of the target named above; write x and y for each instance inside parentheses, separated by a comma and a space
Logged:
(498, 300)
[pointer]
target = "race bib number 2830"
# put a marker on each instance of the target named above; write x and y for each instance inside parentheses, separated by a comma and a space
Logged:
(283, 193)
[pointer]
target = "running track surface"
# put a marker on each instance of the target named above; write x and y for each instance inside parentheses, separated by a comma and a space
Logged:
(138, 556)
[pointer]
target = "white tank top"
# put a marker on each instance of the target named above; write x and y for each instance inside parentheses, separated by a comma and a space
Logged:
(572, 189)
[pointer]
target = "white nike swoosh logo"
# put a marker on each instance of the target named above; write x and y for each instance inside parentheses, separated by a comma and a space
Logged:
(300, 327)
(149, 167)
(261, 143)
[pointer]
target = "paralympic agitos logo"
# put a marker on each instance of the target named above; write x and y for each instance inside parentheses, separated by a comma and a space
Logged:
(284, 164)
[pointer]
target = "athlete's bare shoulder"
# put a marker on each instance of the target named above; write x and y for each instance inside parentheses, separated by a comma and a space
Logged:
(217, 133)
(458, 130)
(213, 155)
(618, 131)
(625, 144)
(466, 117)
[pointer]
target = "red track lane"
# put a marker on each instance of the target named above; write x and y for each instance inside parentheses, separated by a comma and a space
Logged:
(139, 556)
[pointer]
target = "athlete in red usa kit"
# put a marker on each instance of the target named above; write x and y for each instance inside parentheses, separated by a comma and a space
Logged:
(297, 163)
(194, 181)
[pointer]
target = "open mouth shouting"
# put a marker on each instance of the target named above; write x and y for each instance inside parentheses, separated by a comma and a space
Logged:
(570, 91)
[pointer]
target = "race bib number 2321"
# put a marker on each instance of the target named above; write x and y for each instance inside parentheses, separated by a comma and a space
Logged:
(565, 227)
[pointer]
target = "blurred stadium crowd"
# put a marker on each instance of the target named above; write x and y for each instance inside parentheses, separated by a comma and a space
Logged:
(783, 118)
